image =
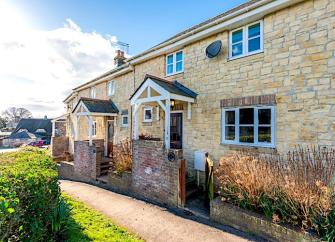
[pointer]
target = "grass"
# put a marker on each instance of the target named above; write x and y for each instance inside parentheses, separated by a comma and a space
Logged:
(87, 224)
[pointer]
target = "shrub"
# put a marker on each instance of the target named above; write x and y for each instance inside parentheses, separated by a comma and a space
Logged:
(123, 156)
(295, 188)
(29, 196)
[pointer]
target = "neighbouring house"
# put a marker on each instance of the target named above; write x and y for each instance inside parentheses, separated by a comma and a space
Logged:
(3, 134)
(258, 77)
(29, 130)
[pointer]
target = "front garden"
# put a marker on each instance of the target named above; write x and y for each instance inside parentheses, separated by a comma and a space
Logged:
(294, 189)
(33, 209)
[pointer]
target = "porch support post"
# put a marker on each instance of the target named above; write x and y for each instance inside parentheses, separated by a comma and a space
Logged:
(90, 126)
(135, 121)
(53, 128)
(189, 111)
(76, 128)
(167, 124)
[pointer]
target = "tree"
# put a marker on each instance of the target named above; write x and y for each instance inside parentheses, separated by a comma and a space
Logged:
(13, 115)
(3, 123)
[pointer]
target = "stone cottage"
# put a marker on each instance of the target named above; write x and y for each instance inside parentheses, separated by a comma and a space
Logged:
(260, 76)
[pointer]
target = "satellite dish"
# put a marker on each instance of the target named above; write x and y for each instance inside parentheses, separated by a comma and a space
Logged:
(213, 49)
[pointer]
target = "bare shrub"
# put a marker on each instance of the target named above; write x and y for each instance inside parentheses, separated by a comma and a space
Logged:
(296, 188)
(123, 156)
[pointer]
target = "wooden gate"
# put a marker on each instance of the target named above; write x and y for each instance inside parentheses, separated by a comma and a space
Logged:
(182, 183)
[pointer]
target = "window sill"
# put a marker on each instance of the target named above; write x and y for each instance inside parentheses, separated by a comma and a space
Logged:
(269, 146)
(249, 148)
(245, 55)
(175, 73)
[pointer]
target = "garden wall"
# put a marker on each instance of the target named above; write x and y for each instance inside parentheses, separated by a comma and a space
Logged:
(59, 145)
(250, 222)
(153, 175)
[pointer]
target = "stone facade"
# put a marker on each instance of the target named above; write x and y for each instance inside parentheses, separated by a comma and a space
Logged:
(253, 223)
(153, 175)
(297, 66)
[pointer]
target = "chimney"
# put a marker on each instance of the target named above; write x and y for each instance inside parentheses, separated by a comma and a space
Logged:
(119, 59)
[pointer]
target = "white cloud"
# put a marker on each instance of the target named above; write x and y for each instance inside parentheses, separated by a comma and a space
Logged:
(39, 68)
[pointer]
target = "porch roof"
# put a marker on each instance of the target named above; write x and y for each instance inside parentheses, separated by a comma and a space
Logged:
(174, 87)
(98, 106)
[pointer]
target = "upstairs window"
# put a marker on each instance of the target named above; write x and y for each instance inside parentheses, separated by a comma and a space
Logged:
(254, 126)
(93, 92)
(247, 40)
(111, 88)
(174, 63)
(124, 118)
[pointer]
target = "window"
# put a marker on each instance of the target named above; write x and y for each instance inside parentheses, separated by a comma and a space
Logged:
(111, 88)
(94, 128)
(124, 120)
(246, 40)
(93, 92)
(253, 126)
(175, 63)
(147, 114)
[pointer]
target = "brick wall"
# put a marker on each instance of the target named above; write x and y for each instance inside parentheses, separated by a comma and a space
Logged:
(87, 158)
(153, 175)
(59, 145)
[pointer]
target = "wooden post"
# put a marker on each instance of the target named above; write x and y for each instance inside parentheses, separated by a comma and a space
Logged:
(90, 127)
(53, 128)
(167, 124)
(189, 111)
(135, 121)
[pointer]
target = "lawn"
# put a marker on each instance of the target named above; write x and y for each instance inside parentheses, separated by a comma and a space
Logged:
(87, 224)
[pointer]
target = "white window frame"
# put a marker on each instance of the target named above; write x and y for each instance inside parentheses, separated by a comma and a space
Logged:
(93, 92)
(245, 41)
(94, 128)
(111, 91)
(122, 123)
(255, 125)
(146, 109)
(174, 63)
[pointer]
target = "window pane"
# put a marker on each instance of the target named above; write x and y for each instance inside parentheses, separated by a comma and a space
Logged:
(237, 49)
(230, 117)
(147, 114)
(264, 116)
(230, 133)
(179, 56)
(179, 66)
(254, 30)
(254, 44)
(169, 69)
(170, 59)
(125, 120)
(246, 116)
(264, 134)
(247, 134)
(237, 36)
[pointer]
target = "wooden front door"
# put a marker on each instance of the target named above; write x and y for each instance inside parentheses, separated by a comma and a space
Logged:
(110, 137)
(176, 131)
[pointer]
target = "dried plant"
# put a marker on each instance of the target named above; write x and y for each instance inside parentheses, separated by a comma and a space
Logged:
(122, 156)
(148, 137)
(296, 188)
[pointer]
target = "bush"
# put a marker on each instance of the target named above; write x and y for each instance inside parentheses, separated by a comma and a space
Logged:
(29, 197)
(296, 188)
(123, 156)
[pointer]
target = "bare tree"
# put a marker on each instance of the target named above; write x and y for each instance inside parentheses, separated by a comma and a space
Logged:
(13, 115)
(3, 123)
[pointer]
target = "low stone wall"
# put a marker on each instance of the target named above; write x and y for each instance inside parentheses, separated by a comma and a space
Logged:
(120, 182)
(87, 158)
(59, 145)
(250, 222)
(153, 175)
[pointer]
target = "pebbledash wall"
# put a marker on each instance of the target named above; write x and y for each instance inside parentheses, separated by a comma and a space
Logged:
(297, 67)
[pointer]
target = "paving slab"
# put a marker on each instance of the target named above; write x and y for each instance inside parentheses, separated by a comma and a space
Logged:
(148, 221)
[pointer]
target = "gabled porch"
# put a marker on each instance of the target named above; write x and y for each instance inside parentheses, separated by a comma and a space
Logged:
(164, 95)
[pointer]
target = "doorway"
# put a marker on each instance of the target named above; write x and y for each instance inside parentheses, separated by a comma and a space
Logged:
(110, 137)
(176, 130)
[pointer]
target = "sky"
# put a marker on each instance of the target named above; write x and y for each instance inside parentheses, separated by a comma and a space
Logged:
(48, 47)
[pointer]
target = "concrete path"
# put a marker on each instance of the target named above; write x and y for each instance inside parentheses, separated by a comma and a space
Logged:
(150, 222)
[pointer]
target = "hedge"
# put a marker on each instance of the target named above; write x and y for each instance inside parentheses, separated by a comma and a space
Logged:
(29, 196)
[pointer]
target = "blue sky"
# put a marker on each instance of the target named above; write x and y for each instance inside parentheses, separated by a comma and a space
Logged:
(142, 24)
(49, 47)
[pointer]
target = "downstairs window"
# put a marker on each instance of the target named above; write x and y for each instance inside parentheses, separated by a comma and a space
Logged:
(254, 126)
